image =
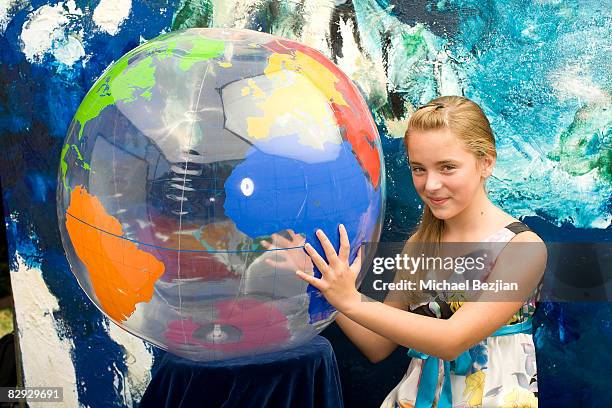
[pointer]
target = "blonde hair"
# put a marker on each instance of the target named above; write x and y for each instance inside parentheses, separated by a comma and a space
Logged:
(466, 120)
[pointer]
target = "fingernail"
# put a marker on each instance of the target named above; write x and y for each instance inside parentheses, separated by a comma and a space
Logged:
(342, 226)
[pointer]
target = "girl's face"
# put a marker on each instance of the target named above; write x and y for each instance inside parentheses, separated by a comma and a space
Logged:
(446, 175)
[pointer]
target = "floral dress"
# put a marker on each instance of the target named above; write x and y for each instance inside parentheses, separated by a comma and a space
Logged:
(500, 371)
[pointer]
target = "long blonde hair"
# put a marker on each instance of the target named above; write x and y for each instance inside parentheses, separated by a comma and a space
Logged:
(466, 120)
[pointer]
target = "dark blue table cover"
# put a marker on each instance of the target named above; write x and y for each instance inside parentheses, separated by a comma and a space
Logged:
(305, 376)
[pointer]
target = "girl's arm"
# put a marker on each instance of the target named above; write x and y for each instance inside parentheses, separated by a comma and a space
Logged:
(446, 339)
(374, 346)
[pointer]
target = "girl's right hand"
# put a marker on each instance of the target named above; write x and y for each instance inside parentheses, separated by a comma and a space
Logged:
(294, 259)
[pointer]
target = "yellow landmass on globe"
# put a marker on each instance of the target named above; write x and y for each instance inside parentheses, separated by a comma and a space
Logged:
(305, 96)
(318, 74)
(121, 274)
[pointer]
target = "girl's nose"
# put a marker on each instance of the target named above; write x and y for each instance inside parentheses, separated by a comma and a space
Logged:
(432, 183)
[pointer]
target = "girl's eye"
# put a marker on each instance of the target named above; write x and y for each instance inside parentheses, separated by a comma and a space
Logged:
(448, 167)
(417, 170)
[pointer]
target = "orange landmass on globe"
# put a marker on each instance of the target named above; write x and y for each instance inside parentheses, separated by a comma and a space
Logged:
(121, 274)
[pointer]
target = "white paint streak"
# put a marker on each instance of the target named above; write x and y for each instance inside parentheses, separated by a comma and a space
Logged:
(316, 28)
(45, 32)
(368, 73)
(232, 13)
(69, 51)
(45, 356)
(44, 26)
(446, 75)
(138, 360)
(5, 6)
(110, 14)
(6, 9)
(351, 57)
(574, 82)
(396, 128)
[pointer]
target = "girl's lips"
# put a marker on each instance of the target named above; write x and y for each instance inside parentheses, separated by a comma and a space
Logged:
(438, 201)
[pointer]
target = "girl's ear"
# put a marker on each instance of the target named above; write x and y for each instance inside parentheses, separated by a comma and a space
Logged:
(487, 164)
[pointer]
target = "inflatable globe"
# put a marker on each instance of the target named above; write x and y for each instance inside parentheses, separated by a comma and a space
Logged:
(194, 171)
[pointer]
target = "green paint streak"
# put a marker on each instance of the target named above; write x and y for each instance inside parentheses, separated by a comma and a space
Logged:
(586, 145)
(411, 67)
(202, 49)
(414, 44)
(193, 14)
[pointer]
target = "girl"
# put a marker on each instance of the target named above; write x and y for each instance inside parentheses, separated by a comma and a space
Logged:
(472, 354)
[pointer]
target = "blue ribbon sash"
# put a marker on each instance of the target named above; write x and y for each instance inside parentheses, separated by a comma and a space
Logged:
(460, 366)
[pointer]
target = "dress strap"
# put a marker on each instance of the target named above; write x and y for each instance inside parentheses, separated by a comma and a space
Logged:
(517, 227)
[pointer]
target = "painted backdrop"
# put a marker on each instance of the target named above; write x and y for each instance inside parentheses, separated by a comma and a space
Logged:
(540, 68)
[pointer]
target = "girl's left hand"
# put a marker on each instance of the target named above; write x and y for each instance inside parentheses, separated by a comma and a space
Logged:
(337, 282)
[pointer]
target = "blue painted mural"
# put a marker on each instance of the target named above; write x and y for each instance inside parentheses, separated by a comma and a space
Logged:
(540, 70)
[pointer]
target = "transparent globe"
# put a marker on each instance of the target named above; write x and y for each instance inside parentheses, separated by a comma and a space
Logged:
(192, 174)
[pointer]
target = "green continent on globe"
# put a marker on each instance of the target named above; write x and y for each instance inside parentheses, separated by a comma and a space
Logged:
(126, 83)
(64, 165)
(202, 49)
